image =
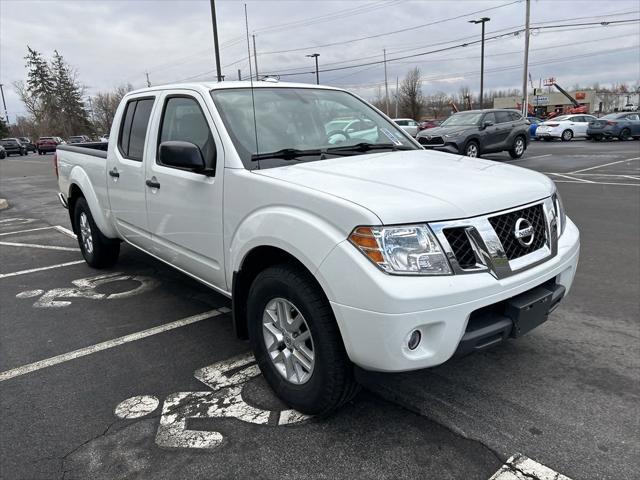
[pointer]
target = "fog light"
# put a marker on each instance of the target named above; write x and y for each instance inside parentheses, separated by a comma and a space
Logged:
(414, 339)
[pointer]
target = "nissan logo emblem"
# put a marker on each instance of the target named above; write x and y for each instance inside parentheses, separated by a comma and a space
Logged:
(523, 232)
(428, 137)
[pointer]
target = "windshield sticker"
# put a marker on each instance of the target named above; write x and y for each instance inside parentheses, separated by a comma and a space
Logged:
(391, 136)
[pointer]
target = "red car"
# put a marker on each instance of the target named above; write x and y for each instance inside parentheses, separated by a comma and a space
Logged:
(428, 124)
(46, 144)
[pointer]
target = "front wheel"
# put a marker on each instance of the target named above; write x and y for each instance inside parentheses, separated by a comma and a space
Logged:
(97, 250)
(472, 150)
(296, 341)
(567, 135)
(518, 148)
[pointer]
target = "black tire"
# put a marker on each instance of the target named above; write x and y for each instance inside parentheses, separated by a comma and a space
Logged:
(548, 139)
(625, 134)
(472, 149)
(102, 252)
(567, 135)
(331, 382)
(518, 148)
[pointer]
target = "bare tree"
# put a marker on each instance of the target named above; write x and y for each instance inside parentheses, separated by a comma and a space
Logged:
(411, 100)
(105, 105)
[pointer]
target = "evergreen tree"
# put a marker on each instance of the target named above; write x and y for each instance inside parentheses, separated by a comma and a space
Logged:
(4, 129)
(71, 114)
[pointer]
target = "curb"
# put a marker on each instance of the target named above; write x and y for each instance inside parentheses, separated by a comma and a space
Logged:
(3, 204)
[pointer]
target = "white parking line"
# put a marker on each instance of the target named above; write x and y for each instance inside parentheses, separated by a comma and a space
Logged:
(44, 247)
(572, 178)
(39, 269)
(66, 231)
(82, 352)
(25, 231)
(600, 183)
(539, 156)
(605, 165)
(519, 467)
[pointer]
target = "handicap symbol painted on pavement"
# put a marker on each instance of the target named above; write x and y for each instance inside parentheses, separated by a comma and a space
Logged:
(226, 379)
(87, 288)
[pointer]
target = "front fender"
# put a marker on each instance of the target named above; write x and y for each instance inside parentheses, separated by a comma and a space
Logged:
(79, 177)
(303, 234)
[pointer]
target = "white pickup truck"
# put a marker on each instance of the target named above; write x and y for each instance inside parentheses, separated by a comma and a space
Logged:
(339, 240)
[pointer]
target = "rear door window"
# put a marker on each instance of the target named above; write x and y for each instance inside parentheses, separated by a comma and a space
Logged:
(490, 117)
(133, 132)
(502, 117)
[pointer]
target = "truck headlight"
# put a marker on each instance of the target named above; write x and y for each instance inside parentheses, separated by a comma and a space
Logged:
(560, 213)
(402, 250)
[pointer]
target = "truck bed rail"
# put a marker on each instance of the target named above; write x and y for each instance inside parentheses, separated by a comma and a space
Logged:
(95, 149)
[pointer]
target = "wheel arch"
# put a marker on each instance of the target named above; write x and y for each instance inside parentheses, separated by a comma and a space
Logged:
(80, 186)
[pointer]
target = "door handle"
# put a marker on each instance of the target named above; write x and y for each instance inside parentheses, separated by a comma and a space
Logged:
(114, 173)
(153, 183)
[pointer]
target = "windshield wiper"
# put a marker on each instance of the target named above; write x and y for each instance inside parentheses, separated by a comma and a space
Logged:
(365, 147)
(286, 154)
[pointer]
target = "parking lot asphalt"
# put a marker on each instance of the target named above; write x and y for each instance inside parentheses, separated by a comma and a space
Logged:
(76, 344)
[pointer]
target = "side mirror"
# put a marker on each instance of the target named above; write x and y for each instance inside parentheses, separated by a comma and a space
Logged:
(182, 155)
(487, 124)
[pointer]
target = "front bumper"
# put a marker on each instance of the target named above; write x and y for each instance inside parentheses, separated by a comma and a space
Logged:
(447, 147)
(376, 312)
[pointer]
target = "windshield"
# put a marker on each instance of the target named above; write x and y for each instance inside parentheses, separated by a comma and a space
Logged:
(460, 119)
(301, 119)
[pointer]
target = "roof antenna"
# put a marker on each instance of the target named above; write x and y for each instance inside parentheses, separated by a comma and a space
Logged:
(253, 101)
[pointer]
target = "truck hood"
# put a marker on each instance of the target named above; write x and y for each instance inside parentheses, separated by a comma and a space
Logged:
(419, 186)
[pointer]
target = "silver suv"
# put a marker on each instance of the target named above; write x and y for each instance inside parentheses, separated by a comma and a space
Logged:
(476, 132)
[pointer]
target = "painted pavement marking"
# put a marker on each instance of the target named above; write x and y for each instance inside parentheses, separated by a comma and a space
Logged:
(39, 269)
(519, 467)
(65, 357)
(605, 165)
(43, 247)
(226, 380)
(17, 232)
(86, 288)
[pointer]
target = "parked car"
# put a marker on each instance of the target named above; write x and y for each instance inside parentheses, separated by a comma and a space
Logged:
(426, 124)
(630, 107)
(29, 145)
(334, 250)
(3, 153)
(13, 146)
(79, 139)
(408, 125)
(565, 127)
(476, 132)
(533, 127)
(623, 126)
(47, 144)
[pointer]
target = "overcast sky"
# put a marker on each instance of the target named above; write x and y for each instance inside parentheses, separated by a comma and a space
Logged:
(114, 42)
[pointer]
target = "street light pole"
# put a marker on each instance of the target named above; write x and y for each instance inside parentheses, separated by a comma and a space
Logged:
(315, 55)
(525, 96)
(482, 21)
(215, 39)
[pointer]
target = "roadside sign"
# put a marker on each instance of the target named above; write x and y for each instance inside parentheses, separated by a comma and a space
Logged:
(541, 100)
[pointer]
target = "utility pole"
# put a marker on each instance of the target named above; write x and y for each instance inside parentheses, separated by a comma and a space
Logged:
(4, 104)
(386, 83)
(397, 96)
(148, 82)
(526, 61)
(255, 56)
(315, 55)
(216, 49)
(239, 74)
(482, 21)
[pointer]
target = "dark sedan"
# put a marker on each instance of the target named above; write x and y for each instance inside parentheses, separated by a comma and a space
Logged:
(13, 146)
(29, 145)
(476, 132)
(623, 126)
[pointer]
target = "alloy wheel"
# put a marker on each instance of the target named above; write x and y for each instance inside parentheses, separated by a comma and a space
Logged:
(85, 233)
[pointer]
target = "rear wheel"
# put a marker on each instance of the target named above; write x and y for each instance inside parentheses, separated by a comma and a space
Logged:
(517, 150)
(547, 139)
(625, 134)
(97, 250)
(296, 341)
(567, 135)
(472, 149)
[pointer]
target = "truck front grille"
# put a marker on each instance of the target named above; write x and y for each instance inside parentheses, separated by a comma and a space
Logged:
(505, 227)
(461, 247)
(431, 141)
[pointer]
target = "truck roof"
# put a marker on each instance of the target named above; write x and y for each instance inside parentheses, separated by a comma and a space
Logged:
(212, 85)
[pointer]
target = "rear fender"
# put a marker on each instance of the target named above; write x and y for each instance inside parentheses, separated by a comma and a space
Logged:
(80, 178)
